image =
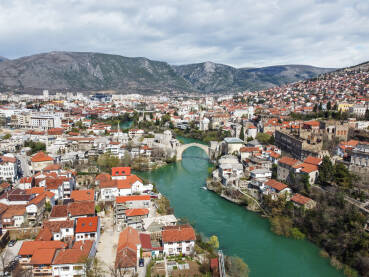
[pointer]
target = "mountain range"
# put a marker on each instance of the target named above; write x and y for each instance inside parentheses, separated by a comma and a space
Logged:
(85, 71)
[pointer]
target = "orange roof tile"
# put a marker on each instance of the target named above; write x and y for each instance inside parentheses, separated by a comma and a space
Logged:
(29, 247)
(123, 199)
(83, 195)
(44, 234)
(43, 256)
(300, 199)
(41, 157)
(178, 233)
(276, 185)
(77, 255)
(136, 212)
(87, 224)
(287, 160)
(313, 160)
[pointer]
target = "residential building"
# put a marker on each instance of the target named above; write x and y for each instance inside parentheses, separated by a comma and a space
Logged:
(302, 201)
(178, 240)
(88, 228)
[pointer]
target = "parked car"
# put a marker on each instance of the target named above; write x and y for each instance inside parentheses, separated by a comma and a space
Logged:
(141, 262)
(12, 243)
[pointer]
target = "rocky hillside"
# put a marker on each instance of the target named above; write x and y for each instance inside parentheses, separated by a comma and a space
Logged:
(208, 76)
(89, 71)
(75, 71)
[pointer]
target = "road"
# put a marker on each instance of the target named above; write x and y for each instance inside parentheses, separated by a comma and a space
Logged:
(107, 247)
(24, 165)
(9, 253)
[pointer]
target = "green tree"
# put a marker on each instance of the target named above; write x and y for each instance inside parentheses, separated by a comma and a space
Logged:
(263, 138)
(306, 182)
(236, 267)
(106, 161)
(329, 105)
(7, 136)
(214, 242)
(35, 146)
(326, 171)
(242, 134)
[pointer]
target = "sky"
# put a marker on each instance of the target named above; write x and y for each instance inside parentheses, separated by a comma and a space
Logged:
(245, 33)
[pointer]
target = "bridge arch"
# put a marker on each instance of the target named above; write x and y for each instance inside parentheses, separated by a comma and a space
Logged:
(183, 147)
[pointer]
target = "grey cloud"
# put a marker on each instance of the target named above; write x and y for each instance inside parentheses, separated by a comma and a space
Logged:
(239, 33)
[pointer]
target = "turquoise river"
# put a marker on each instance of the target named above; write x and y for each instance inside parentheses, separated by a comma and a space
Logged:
(241, 233)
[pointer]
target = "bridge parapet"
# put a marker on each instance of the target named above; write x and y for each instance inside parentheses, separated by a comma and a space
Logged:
(183, 147)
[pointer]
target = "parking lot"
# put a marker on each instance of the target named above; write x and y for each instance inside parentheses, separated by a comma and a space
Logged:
(8, 255)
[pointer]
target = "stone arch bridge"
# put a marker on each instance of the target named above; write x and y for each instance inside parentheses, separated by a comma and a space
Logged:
(183, 147)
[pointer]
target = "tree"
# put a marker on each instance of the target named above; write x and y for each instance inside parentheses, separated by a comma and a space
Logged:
(127, 160)
(93, 267)
(236, 267)
(306, 182)
(329, 105)
(214, 242)
(274, 171)
(35, 146)
(263, 138)
(326, 171)
(106, 161)
(7, 136)
(242, 134)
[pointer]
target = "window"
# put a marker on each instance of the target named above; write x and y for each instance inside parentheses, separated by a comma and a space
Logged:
(66, 230)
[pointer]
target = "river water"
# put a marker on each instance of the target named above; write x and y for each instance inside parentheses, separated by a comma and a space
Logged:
(241, 233)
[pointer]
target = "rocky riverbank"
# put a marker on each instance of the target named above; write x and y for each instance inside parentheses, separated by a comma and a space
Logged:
(232, 195)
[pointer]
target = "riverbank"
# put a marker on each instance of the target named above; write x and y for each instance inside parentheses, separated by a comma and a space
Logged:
(285, 220)
(240, 232)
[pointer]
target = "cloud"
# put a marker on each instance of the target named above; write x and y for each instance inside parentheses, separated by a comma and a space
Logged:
(328, 33)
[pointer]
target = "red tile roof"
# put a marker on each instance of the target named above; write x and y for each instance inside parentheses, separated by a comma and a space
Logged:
(288, 161)
(120, 184)
(103, 177)
(81, 208)
(51, 167)
(29, 247)
(83, 195)
(178, 233)
(26, 180)
(127, 248)
(136, 212)
(145, 241)
(121, 171)
(6, 159)
(300, 199)
(55, 226)
(123, 199)
(35, 190)
(44, 234)
(59, 211)
(38, 199)
(77, 255)
(276, 185)
(41, 157)
(308, 168)
(43, 256)
(87, 224)
(313, 160)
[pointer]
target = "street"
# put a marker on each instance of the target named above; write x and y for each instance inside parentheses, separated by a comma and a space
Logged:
(8, 254)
